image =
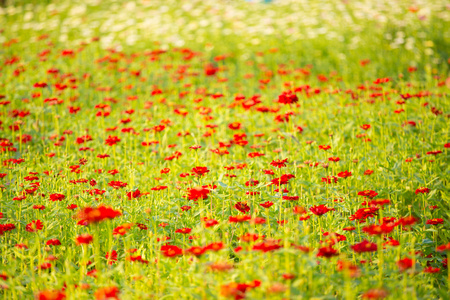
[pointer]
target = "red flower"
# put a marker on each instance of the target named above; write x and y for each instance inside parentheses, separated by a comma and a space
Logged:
(324, 147)
(392, 243)
(405, 264)
(215, 246)
(408, 221)
(327, 252)
(330, 179)
(242, 207)
(94, 215)
(200, 171)
(364, 213)
(122, 229)
(185, 208)
(40, 85)
(51, 295)
(431, 270)
(34, 226)
(378, 229)
(344, 174)
(287, 97)
(279, 163)
(235, 126)
(381, 80)
(268, 172)
(267, 245)
(435, 152)
(72, 206)
(375, 294)
(85, 239)
(377, 202)
(196, 250)
(255, 154)
(221, 266)
(364, 246)
(111, 257)
(117, 184)
(112, 140)
(422, 190)
(436, 221)
(445, 247)
(107, 293)
(171, 251)
(134, 195)
(250, 237)
(365, 127)
(368, 193)
(284, 179)
(183, 230)
(45, 266)
(57, 197)
(266, 204)
(237, 290)
(197, 193)
(53, 242)
(21, 246)
(319, 210)
(165, 171)
(210, 69)
(350, 268)
(368, 172)
(210, 222)
(239, 219)
(258, 220)
(252, 182)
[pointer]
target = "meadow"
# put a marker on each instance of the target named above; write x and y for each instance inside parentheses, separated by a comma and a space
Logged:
(224, 149)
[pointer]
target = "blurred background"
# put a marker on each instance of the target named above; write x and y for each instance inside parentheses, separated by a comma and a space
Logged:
(326, 33)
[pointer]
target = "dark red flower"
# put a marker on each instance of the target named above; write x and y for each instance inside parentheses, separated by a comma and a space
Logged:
(242, 207)
(422, 190)
(364, 246)
(327, 252)
(53, 242)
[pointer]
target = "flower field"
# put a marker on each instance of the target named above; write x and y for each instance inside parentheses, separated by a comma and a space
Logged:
(224, 149)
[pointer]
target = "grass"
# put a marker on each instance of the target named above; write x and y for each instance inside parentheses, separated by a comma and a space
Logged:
(104, 102)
